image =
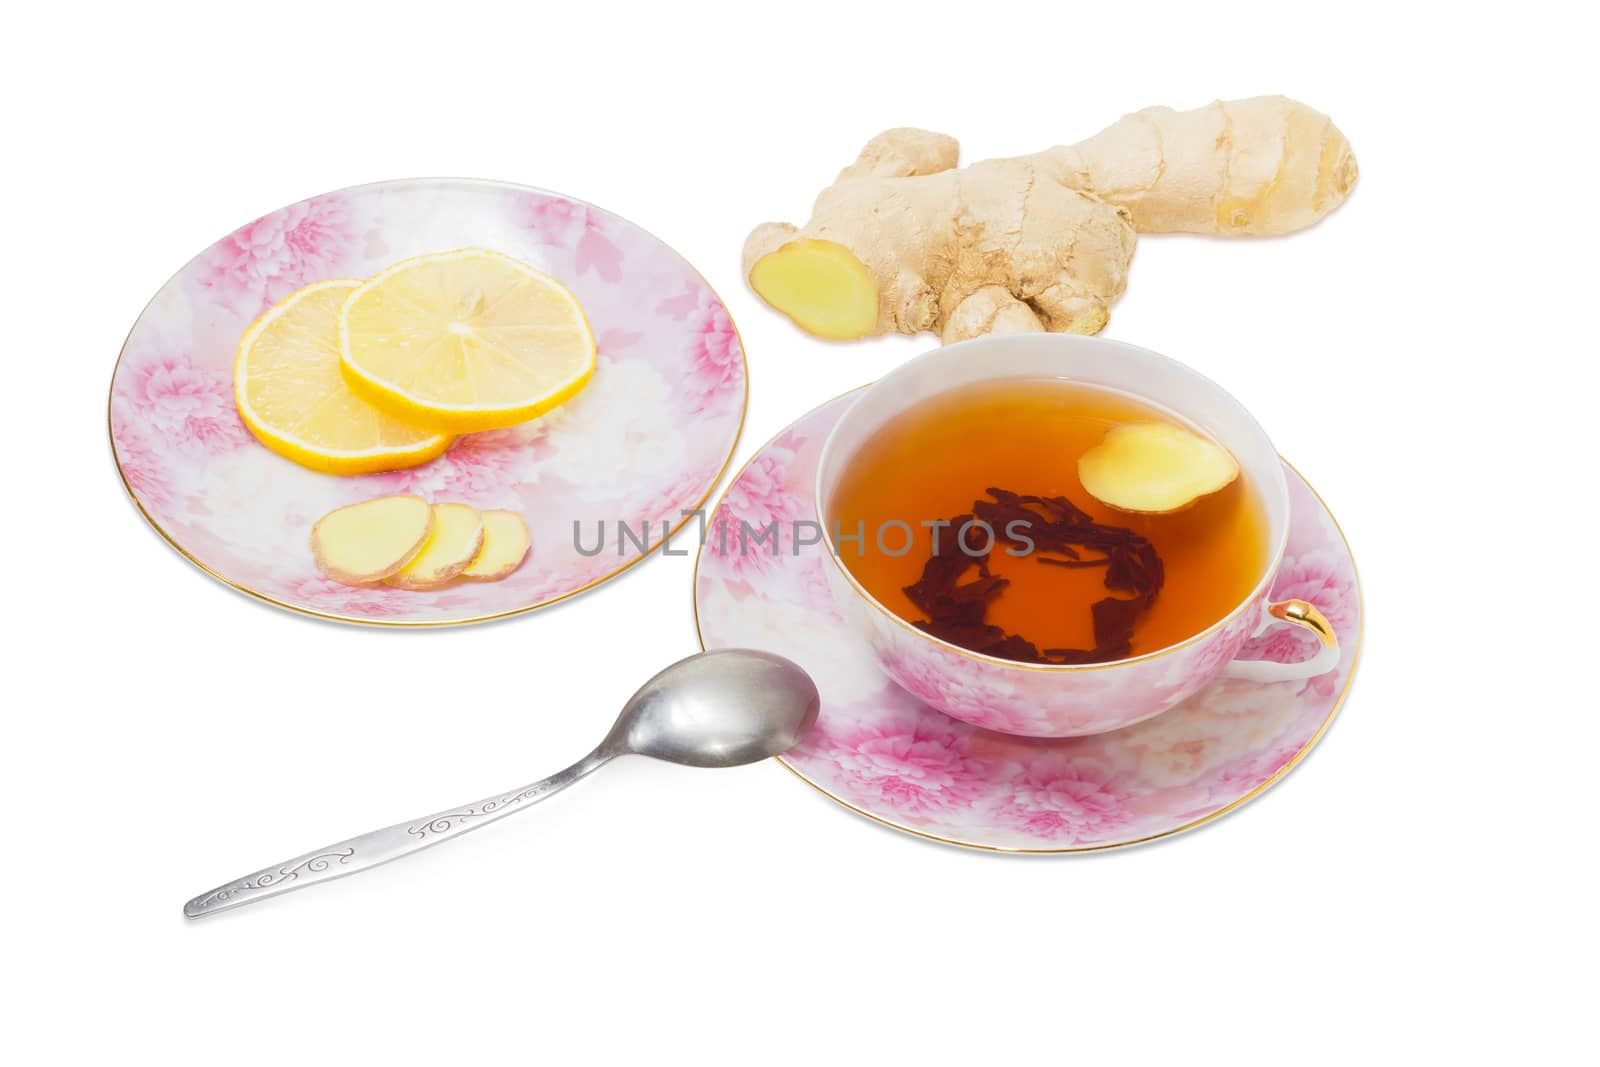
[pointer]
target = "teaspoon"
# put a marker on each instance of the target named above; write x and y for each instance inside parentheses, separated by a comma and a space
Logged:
(715, 709)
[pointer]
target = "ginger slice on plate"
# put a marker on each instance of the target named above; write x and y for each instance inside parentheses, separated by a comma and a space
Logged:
(367, 542)
(1155, 468)
(457, 537)
(505, 545)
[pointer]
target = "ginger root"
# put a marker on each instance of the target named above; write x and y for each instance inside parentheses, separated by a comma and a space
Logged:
(904, 240)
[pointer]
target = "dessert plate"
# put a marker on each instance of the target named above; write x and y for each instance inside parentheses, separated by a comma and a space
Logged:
(643, 443)
(884, 754)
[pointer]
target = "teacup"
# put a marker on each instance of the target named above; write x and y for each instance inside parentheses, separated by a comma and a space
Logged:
(1048, 700)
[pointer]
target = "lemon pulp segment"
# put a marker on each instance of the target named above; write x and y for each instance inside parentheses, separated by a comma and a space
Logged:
(464, 341)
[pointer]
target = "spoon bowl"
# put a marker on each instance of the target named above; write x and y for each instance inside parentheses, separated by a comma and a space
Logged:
(718, 709)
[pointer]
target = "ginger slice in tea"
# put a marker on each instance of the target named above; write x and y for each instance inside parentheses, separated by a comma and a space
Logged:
(1155, 468)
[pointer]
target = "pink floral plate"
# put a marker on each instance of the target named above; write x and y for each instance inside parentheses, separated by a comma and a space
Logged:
(882, 753)
(644, 443)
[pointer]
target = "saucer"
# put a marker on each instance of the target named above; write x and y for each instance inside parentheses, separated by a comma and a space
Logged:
(884, 754)
(643, 443)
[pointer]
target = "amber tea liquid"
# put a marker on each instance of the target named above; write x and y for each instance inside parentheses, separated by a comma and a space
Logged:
(1025, 435)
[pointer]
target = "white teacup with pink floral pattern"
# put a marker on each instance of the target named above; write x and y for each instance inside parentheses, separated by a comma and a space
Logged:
(1047, 700)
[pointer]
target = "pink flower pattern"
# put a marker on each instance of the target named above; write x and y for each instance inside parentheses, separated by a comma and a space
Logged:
(814, 587)
(245, 513)
(143, 467)
(261, 263)
(760, 500)
(881, 750)
(965, 689)
(1210, 659)
(715, 352)
(551, 218)
(1062, 798)
(478, 466)
(598, 253)
(670, 502)
(182, 406)
(376, 602)
(562, 223)
(917, 767)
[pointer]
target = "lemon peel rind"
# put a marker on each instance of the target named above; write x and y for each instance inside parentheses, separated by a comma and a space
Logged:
(400, 405)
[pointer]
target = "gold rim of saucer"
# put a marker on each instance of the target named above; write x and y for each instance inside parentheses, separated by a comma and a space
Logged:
(1294, 761)
(420, 624)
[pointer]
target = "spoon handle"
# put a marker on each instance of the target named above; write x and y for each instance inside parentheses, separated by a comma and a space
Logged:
(381, 846)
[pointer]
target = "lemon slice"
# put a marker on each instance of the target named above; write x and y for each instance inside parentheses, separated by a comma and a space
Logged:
(292, 396)
(464, 341)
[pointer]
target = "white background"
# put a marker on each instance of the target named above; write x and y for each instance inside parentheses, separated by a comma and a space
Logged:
(1425, 356)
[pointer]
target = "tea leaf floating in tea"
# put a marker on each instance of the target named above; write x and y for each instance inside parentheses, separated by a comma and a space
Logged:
(956, 610)
(1155, 468)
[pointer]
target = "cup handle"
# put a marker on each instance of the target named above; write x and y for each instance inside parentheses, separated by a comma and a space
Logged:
(1290, 613)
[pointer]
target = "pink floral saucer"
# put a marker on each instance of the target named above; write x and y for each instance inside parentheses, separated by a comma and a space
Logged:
(645, 442)
(884, 754)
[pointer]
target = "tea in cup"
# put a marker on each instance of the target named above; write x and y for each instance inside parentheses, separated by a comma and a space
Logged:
(998, 531)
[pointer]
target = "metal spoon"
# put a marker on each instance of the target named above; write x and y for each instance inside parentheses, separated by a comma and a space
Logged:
(716, 709)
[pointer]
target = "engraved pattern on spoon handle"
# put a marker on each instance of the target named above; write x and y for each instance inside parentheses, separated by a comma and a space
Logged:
(381, 846)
